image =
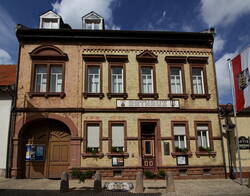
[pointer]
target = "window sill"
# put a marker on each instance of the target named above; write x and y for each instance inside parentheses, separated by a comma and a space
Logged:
(204, 153)
(148, 95)
(95, 155)
(197, 96)
(124, 95)
(117, 154)
(46, 94)
(184, 96)
(175, 154)
(100, 95)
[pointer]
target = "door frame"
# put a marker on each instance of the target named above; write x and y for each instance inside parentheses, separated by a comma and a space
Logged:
(157, 141)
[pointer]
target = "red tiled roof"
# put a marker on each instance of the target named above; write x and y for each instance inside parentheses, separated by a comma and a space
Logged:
(7, 75)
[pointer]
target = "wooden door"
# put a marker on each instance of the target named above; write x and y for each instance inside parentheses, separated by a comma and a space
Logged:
(58, 160)
(148, 153)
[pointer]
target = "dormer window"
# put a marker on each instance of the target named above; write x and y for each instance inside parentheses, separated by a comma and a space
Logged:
(92, 21)
(50, 20)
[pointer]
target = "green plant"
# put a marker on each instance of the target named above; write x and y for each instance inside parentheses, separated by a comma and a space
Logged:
(208, 149)
(82, 177)
(75, 173)
(177, 149)
(117, 149)
(92, 150)
(161, 173)
(89, 174)
(149, 174)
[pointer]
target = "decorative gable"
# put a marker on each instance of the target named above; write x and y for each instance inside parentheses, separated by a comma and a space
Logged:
(50, 20)
(147, 56)
(92, 21)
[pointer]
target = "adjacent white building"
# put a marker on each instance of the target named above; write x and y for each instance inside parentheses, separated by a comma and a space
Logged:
(7, 82)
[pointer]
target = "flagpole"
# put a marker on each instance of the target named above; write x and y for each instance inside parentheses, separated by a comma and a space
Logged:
(235, 119)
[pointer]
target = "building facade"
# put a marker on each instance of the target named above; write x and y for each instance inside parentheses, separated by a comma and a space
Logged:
(7, 82)
(230, 134)
(116, 101)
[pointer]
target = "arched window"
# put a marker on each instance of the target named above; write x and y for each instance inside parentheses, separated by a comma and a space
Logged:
(48, 64)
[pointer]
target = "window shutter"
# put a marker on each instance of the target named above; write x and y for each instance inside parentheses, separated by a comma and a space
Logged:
(202, 128)
(93, 136)
(179, 130)
(117, 135)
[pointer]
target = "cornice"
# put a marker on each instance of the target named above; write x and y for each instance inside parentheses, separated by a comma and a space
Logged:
(157, 51)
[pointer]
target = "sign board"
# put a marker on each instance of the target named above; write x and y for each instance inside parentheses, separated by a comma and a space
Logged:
(134, 103)
(35, 152)
(117, 161)
(244, 142)
(182, 160)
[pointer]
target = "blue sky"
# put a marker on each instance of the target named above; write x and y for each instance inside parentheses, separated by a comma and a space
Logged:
(229, 17)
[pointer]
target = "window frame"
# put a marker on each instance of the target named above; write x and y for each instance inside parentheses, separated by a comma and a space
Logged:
(172, 95)
(86, 93)
(174, 152)
(141, 94)
(124, 123)
(85, 138)
(210, 135)
(47, 93)
(199, 62)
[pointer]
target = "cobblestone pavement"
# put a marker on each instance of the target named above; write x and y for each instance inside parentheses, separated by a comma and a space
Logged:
(37, 187)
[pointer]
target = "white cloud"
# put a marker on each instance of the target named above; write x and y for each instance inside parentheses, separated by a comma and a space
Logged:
(187, 28)
(222, 75)
(162, 18)
(7, 28)
(223, 12)
(5, 58)
(73, 10)
(218, 44)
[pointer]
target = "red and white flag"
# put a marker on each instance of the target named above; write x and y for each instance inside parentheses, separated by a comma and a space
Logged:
(241, 75)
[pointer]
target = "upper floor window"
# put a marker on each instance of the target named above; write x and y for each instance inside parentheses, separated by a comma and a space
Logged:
(198, 80)
(50, 20)
(117, 80)
(147, 80)
(92, 21)
(45, 73)
(176, 80)
(93, 79)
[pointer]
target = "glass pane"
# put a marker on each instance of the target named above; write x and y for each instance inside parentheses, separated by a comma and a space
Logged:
(41, 78)
(175, 79)
(204, 139)
(96, 26)
(146, 70)
(176, 141)
(93, 79)
(88, 25)
(148, 147)
(56, 79)
(147, 80)
(117, 80)
(182, 141)
(199, 138)
(197, 78)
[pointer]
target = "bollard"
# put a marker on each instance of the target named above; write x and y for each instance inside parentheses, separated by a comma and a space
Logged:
(98, 182)
(170, 187)
(64, 185)
(139, 183)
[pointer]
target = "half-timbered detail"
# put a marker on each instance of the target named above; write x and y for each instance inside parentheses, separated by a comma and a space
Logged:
(117, 102)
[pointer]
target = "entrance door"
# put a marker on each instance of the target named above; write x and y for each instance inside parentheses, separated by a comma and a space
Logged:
(58, 153)
(148, 145)
(49, 144)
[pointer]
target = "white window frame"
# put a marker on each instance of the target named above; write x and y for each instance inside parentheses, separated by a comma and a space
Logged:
(58, 81)
(50, 22)
(201, 131)
(175, 81)
(43, 84)
(97, 83)
(115, 125)
(98, 135)
(92, 24)
(147, 81)
(179, 136)
(117, 84)
(195, 81)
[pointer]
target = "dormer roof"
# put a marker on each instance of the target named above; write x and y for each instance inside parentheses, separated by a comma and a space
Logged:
(92, 15)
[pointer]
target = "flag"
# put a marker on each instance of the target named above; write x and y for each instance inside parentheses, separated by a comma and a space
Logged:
(241, 75)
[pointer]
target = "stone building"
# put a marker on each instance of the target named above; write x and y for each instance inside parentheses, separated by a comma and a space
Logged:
(115, 101)
(7, 83)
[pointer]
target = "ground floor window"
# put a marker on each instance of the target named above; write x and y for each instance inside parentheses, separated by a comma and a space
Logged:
(93, 138)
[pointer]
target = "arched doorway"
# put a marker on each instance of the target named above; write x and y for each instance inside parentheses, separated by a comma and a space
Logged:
(45, 145)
